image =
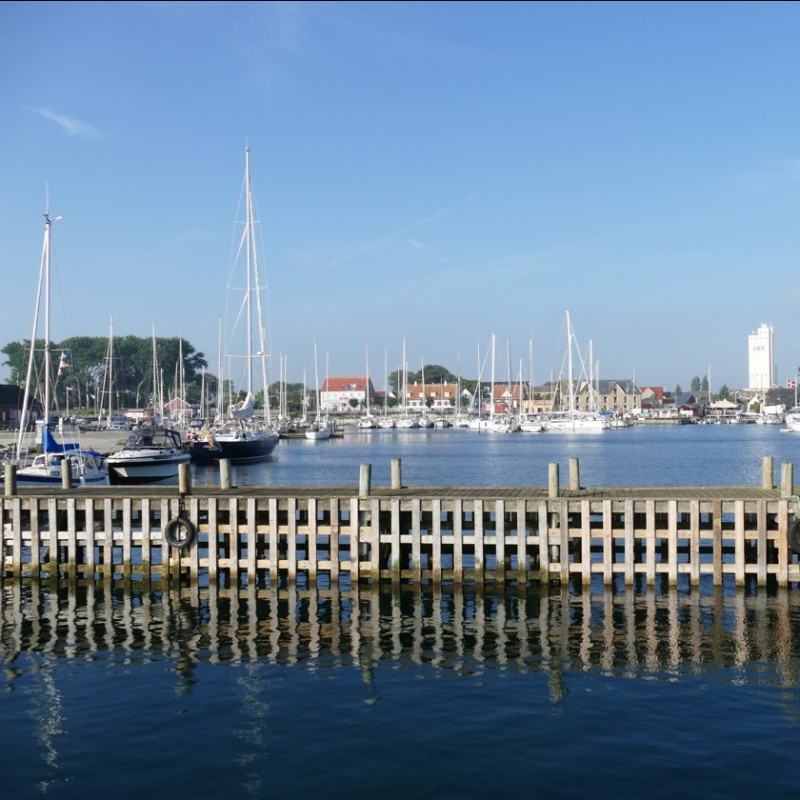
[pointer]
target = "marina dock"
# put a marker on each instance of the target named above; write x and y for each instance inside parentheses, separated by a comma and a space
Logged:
(364, 534)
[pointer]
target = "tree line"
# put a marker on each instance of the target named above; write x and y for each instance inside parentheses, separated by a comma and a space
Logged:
(81, 366)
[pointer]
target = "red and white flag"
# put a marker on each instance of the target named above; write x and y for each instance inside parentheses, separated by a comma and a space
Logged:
(791, 383)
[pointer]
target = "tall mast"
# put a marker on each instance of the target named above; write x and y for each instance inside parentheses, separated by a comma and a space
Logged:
(46, 321)
(569, 366)
(249, 289)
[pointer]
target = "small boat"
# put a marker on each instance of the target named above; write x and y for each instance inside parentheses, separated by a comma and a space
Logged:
(87, 467)
(152, 454)
(792, 419)
(531, 424)
(317, 431)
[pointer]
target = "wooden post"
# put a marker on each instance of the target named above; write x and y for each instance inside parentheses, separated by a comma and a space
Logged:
(365, 480)
(767, 473)
(552, 486)
(397, 476)
(10, 478)
(224, 473)
(574, 474)
(66, 473)
(184, 485)
(787, 479)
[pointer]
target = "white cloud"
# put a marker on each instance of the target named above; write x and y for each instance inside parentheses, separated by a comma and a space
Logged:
(73, 127)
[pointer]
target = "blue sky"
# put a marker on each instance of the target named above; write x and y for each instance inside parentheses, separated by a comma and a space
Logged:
(434, 172)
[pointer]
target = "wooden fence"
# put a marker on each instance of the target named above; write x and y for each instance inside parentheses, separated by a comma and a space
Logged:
(345, 536)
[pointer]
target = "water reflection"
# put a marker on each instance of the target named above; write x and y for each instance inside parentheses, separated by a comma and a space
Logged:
(665, 635)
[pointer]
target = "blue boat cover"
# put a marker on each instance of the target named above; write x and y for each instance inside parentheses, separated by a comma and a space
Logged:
(50, 445)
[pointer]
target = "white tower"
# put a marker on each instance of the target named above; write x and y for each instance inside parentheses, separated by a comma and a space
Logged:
(761, 361)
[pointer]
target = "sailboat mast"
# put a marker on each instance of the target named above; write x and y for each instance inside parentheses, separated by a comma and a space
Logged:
(46, 321)
(569, 367)
(530, 371)
(366, 383)
(491, 391)
(154, 388)
(249, 280)
(316, 380)
(386, 382)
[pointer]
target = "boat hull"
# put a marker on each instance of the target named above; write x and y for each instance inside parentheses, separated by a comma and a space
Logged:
(153, 469)
(86, 466)
(54, 479)
(248, 449)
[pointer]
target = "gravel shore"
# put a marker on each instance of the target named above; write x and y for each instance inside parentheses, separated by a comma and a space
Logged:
(104, 442)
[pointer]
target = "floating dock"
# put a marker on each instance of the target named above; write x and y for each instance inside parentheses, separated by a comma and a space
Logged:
(349, 535)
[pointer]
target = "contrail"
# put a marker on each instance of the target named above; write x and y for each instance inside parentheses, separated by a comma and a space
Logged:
(401, 232)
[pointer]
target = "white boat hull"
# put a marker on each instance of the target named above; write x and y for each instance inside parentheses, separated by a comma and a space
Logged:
(145, 468)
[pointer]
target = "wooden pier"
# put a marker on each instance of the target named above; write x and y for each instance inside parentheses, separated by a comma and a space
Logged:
(345, 536)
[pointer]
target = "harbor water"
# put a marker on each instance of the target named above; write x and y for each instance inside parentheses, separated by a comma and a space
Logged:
(447, 693)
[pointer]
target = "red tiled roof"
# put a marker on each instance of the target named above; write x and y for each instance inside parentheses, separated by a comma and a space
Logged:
(346, 384)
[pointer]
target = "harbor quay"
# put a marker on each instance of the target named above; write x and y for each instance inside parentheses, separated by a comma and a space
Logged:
(341, 536)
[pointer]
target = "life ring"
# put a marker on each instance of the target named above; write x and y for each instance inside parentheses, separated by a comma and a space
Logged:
(180, 533)
(794, 536)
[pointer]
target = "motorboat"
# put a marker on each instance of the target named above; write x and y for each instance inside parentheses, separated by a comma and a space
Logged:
(151, 454)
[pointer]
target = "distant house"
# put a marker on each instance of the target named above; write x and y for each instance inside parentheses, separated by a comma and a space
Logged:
(687, 405)
(11, 400)
(432, 395)
(652, 397)
(177, 407)
(612, 396)
(723, 410)
(336, 393)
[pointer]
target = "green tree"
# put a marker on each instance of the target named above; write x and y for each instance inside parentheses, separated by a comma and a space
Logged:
(130, 364)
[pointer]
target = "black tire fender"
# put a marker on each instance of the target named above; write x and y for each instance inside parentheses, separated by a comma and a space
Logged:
(794, 536)
(180, 533)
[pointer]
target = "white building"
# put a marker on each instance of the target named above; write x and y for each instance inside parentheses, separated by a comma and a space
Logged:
(761, 359)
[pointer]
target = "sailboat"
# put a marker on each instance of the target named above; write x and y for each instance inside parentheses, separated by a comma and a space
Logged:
(385, 422)
(366, 421)
(405, 421)
(237, 434)
(87, 466)
(424, 420)
(320, 428)
(572, 420)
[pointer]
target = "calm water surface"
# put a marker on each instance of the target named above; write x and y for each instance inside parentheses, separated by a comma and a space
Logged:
(559, 693)
(676, 455)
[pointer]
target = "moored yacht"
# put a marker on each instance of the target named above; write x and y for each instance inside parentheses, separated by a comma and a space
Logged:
(151, 454)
